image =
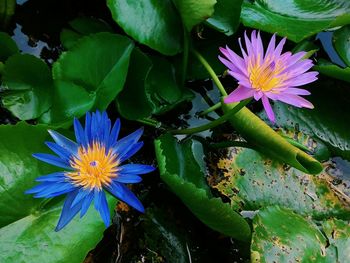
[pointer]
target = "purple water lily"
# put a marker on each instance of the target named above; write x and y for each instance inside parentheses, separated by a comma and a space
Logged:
(271, 75)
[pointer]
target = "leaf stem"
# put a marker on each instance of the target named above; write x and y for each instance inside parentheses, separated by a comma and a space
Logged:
(149, 122)
(211, 72)
(210, 109)
(214, 123)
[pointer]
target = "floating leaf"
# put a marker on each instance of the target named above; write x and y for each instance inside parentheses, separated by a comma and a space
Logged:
(132, 102)
(251, 181)
(283, 236)
(152, 23)
(338, 234)
(332, 70)
(82, 26)
(226, 17)
(8, 46)
(295, 19)
(27, 86)
(194, 12)
(96, 68)
(341, 40)
(181, 167)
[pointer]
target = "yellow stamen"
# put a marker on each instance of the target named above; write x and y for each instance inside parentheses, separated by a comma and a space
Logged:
(93, 167)
(265, 76)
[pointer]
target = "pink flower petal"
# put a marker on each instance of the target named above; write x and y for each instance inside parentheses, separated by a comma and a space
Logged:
(279, 48)
(296, 91)
(258, 95)
(295, 100)
(302, 79)
(268, 109)
(235, 59)
(271, 46)
(241, 93)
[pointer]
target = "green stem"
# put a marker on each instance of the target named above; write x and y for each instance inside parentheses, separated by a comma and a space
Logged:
(185, 55)
(214, 123)
(149, 122)
(212, 108)
(211, 72)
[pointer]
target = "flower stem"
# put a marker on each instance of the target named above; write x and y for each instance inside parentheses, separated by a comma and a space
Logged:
(214, 123)
(212, 108)
(149, 122)
(211, 72)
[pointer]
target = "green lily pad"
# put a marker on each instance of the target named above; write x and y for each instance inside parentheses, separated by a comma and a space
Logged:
(97, 76)
(341, 40)
(252, 181)
(280, 235)
(331, 70)
(8, 46)
(295, 19)
(27, 225)
(226, 16)
(82, 26)
(7, 10)
(132, 102)
(150, 22)
(338, 234)
(27, 86)
(181, 167)
(194, 12)
(163, 89)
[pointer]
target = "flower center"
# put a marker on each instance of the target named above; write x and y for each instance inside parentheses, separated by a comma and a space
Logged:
(265, 76)
(94, 167)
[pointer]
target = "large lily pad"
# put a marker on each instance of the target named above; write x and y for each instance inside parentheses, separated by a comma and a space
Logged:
(27, 86)
(338, 234)
(252, 181)
(341, 40)
(8, 46)
(295, 19)
(283, 236)
(86, 79)
(332, 70)
(150, 22)
(181, 167)
(27, 224)
(194, 12)
(226, 16)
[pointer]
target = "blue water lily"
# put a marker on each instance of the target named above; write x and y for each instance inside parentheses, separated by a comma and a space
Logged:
(91, 165)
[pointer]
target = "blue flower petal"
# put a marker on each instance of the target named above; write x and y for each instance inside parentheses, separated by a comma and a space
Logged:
(80, 133)
(68, 212)
(125, 144)
(81, 195)
(104, 210)
(135, 148)
(97, 198)
(54, 177)
(128, 178)
(86, 203)
(60, 151)
(88, 127)
(121, 192)
(113, 137)
(136, 169)
(52, 159)
(38, 188)
(64, 142)
(55, 189)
